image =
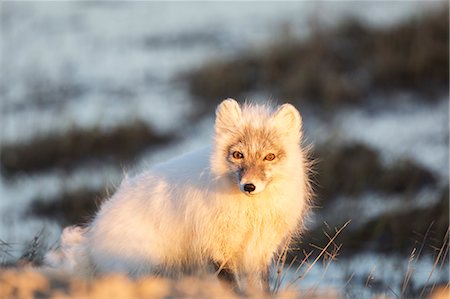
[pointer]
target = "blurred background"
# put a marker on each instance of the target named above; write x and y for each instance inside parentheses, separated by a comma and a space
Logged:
(91, 91)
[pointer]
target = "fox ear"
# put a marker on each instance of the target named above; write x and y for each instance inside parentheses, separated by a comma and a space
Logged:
(228, 114)
(288, 119)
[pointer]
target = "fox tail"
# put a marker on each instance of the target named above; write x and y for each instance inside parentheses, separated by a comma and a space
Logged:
(69, 257)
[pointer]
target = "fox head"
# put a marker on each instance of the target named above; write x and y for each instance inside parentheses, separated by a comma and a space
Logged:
(255, 145)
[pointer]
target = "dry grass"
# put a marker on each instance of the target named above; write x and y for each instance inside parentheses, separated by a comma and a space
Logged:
(439, 262)
(396, 231)
(29, 283)
(119, 145)
(336, 67)
(327, 255)
(354, 168)
(32, 283)
(69, 208)
(427, 290)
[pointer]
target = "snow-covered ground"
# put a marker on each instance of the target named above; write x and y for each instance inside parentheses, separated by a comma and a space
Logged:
(117, 62)
(365, 275)
(417, 131)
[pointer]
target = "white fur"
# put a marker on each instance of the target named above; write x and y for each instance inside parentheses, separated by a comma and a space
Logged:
(182, 215)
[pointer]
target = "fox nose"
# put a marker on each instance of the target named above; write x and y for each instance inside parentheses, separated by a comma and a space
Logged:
(249, 188)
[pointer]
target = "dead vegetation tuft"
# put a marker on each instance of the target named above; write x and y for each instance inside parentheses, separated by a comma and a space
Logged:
(336, 67)
(69, 208)
(396, 231)
(354, 168)
(93, 145)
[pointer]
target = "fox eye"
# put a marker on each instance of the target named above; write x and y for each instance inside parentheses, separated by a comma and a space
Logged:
(269, 157)
(238, 155)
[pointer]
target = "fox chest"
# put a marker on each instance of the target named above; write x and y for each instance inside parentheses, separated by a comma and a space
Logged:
(248, 232)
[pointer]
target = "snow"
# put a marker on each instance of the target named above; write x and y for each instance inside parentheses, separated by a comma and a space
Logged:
(359, 275)
(417, 131)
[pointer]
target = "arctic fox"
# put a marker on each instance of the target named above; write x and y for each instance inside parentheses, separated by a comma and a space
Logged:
(232, 205)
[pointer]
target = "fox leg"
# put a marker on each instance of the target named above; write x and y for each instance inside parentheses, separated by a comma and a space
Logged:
(227, 275)
(265, 280)
(258, 281)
